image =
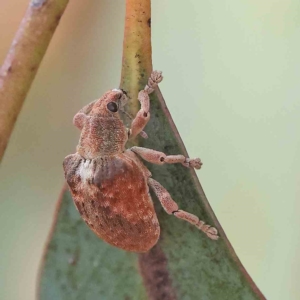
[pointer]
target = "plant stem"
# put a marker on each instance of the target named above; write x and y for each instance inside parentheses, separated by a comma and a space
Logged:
(23, 60)
(137, 53)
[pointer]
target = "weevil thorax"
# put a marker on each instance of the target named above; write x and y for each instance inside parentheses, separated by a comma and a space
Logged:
(104, 133)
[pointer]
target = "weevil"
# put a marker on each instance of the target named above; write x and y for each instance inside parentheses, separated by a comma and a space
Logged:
(110, 184)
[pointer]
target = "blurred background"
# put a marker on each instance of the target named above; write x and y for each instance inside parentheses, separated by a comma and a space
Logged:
(232, 71)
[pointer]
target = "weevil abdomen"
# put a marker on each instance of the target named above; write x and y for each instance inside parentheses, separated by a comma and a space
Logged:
(112, 195)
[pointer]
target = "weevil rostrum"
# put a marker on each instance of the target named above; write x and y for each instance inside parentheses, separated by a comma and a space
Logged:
(110, 185)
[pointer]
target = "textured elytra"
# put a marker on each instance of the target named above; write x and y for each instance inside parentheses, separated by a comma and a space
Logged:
(109, 184)
(112, 195)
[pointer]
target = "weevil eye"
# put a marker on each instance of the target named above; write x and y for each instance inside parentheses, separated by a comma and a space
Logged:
(112, 106)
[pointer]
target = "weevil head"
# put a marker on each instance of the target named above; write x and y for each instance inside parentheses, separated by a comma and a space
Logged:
(104, 133)
(110, 103)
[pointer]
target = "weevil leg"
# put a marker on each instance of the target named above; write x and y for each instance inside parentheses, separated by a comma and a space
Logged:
(81, 116)
(160, 158)
(171, 207)
(143, 115)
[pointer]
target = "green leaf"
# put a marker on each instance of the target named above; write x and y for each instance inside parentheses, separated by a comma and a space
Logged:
(185, 264)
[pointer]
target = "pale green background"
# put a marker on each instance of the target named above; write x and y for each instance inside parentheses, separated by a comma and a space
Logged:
(232, 74)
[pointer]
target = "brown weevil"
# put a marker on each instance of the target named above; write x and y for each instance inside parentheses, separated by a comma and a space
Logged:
(110, 184)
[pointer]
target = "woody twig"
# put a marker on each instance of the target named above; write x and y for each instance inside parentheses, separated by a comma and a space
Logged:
(23, 59)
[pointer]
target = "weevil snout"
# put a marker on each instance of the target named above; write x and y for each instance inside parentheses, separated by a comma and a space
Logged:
(110, 103)
(121, 97)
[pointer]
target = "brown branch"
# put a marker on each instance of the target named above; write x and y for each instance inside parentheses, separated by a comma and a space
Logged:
(23, 60)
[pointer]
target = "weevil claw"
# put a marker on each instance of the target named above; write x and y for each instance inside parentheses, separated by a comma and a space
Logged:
(212, 233)
(143, 134)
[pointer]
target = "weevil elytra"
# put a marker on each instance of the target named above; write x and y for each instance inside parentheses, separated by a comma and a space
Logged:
(110, 184)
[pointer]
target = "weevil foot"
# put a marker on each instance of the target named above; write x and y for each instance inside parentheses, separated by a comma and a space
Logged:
(143, 134)
(195, 163)
(171, 207)
(155, 78)
(211, 232)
